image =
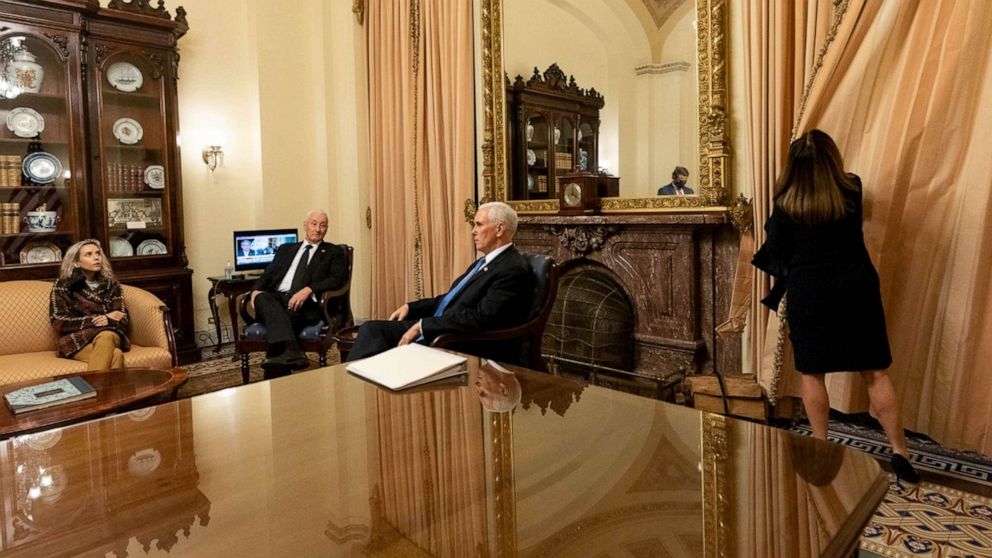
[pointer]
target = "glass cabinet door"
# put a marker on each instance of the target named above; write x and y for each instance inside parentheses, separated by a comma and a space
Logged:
(537, 136)
(39, 214)
(564, 138)
(134, 172)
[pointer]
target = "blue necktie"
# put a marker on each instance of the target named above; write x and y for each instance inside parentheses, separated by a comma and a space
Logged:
(458, 288)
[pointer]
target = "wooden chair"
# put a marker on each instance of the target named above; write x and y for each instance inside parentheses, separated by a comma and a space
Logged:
(318, 338)
(531, 332)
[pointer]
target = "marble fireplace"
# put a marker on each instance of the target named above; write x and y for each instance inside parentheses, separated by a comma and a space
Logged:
(674, 271)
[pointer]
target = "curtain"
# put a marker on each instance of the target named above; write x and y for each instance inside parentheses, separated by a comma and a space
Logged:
(432, 484)
(782, 41)
(908, 97)
(422, 141)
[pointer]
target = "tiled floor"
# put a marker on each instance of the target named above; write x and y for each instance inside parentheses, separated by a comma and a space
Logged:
(931, 521)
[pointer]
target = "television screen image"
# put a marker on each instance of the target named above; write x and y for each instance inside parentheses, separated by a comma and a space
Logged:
(255, 249)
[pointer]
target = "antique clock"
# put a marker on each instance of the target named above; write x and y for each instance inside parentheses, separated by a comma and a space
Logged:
(578, 194)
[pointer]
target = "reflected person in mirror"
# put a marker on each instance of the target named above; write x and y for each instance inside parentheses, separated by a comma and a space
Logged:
(87, 310)
(678, 185)
(286, 297)
(495, 292)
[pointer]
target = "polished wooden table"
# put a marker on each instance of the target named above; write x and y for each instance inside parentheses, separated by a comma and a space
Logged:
(323, 464)
(115, 390)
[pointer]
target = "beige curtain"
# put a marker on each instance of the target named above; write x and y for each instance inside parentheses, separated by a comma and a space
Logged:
(782, 41)
(421, 145)
(432, 485)
(909, 100)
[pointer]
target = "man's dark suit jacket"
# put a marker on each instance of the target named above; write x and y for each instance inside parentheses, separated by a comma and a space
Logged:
(326, 271)
(499, 295)
(669, 190)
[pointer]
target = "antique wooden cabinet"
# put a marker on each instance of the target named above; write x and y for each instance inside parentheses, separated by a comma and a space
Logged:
(90, 146)
(553, 129)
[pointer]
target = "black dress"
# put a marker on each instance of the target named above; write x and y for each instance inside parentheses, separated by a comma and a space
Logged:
(834, 304)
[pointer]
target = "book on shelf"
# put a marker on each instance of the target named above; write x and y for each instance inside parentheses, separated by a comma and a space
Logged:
(408, 366)
(49, 394)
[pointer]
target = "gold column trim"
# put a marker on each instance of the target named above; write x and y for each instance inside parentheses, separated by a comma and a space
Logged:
(503, 496)
(840, 9)
(717, 487)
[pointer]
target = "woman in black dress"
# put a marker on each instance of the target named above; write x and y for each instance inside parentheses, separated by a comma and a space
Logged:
(816, 251)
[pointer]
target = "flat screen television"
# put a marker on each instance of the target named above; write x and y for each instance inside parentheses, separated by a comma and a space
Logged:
(255, 249)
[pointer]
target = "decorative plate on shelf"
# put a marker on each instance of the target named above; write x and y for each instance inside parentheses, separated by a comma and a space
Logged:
(530, 183)
(40, 252)
(531, 157)
(151, 247)
(125, 76)
(155, 177)
(41, 167)
(25, 122)
(128, 131)
(557, 135)
(120, 247)
(530, 131)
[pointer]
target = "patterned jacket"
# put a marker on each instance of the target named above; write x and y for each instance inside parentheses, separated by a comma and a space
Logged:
(73, 306)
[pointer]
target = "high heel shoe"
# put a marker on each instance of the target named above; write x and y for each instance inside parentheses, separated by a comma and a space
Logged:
(904, 469)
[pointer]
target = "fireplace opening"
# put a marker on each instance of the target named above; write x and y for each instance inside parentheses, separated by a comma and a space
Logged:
(591, 327)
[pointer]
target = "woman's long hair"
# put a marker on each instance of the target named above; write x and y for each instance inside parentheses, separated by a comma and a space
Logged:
(72, 258)
(809, 189)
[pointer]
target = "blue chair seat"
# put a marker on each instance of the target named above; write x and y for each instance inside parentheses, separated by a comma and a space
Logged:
(257, 332)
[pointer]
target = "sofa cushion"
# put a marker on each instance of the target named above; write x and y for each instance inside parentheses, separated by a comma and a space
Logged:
(39, 364)
(25, 327)
(42, 364)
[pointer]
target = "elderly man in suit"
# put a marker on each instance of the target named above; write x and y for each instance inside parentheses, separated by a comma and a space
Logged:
(286, 296)
(495, 292)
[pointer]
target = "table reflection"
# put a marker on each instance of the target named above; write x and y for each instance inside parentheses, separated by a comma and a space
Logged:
(98, 487)
(502, 462)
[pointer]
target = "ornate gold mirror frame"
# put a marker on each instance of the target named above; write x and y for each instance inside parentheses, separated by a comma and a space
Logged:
(714, 130)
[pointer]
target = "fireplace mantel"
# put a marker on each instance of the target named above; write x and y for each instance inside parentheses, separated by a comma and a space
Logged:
(676, 269)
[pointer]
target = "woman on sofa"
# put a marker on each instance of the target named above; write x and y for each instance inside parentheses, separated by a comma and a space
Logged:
(87, 309)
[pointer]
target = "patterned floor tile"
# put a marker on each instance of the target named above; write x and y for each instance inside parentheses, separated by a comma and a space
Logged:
(930, 521)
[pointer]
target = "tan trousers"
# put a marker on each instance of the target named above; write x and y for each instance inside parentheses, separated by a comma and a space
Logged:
(102, 353)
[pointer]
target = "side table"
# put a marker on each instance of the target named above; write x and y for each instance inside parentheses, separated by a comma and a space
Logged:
(230, 288)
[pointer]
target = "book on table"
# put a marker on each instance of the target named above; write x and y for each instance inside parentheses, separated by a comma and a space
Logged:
(408, 366)
(49, 394)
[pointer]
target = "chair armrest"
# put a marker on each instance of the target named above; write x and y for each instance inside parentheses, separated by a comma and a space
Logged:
(150, 321)
(447, 339)
(344, 318)
(246, 309)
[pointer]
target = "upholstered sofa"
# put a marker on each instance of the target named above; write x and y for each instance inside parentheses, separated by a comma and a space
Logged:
(27, 339)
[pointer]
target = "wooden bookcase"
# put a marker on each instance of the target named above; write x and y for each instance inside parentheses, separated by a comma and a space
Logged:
(553, 128)
(109, 107)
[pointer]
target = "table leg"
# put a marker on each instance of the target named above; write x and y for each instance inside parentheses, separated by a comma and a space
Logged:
(232, 307)
(214, 311)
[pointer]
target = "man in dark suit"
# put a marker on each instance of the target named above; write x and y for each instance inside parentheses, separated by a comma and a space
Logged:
(495, 292)
(677, 188)
(286, 296)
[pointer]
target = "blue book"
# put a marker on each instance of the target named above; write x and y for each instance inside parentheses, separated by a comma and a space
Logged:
(49, 394)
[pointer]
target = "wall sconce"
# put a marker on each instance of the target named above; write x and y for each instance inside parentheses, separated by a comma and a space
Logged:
(213, 155)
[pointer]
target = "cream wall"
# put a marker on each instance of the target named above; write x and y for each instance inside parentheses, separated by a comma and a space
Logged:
(277, 84)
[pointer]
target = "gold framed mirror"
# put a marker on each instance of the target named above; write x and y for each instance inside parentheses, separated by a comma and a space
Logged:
(712, 183)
